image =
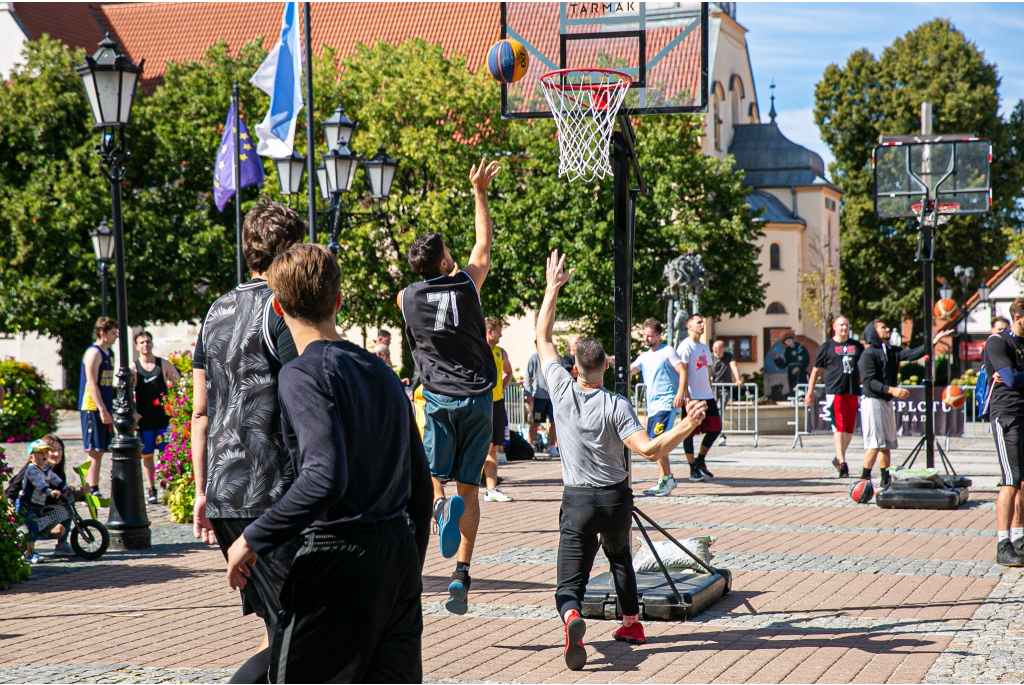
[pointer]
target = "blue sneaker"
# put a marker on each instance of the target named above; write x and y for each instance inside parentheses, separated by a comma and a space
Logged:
(447, 513)
(458, 588)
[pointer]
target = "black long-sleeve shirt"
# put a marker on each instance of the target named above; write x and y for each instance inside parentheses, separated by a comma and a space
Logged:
(354, 446)
(879, 364)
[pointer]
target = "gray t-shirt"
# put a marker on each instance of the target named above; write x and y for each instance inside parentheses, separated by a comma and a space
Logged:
(591, 427)
(535, 384)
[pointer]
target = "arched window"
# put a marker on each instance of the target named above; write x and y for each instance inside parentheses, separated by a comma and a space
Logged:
(774, 257)
(776, 308)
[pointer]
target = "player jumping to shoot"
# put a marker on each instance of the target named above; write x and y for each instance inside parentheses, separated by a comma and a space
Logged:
(444, 324)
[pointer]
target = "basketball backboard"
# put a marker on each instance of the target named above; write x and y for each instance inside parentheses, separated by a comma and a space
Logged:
(951, 170)
(663, 46)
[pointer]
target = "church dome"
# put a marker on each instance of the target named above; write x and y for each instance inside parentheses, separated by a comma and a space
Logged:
(771, 160)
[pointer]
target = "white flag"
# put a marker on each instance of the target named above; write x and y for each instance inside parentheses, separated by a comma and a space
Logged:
(280, 77)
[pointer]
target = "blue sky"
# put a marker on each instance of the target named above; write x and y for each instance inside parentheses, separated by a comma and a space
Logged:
(793, 42)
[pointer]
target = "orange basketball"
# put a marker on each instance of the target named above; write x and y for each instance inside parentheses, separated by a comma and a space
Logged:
(953, 396)
(946, 309)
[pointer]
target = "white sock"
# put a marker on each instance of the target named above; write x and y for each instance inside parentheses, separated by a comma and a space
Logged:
(1016, 533)
(1002, 535)
(565, 616)
(627, 621)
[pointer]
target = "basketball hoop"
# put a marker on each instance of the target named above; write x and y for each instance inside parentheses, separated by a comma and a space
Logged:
(946, 210)
(584, 103)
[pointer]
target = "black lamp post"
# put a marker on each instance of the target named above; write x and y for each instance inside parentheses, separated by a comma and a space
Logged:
(335, 175)
(110, 79)
(965, 274)
(103, 245)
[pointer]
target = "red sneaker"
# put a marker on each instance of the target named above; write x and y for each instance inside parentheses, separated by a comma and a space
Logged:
(575, 653)
(634, 634)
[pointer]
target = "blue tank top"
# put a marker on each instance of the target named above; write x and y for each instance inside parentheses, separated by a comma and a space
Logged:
(105, 381)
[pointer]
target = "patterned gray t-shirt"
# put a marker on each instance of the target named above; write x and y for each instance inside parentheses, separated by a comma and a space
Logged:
(248, 468)
(591, 427)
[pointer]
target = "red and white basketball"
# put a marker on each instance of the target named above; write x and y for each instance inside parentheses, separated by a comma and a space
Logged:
(953, 396)
(862, 491)
(946, 309)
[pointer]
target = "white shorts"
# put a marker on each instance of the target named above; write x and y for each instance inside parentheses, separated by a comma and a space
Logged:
(878, 424)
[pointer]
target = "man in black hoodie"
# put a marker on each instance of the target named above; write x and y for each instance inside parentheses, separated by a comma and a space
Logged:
(879, 368)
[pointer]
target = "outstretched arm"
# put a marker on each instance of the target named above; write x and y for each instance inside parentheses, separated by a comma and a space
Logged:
(556, 278)
(654, 450)
(480, 259)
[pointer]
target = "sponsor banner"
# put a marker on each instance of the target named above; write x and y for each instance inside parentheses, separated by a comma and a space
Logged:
(910, 414)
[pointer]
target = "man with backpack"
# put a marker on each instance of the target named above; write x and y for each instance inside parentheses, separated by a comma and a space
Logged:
(999, 324)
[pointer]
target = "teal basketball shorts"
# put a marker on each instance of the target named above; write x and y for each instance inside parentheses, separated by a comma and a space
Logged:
(457, 435)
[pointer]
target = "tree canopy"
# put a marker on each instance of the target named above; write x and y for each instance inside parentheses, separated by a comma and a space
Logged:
(870, 96)
(431, 113)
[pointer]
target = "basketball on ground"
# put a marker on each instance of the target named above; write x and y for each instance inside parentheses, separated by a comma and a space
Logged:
(946, 309)
(862, 491)
(508, 60)
(953, 396)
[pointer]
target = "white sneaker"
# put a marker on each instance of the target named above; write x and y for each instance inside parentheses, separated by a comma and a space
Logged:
(553, 452)
(665, 487)
(502, 459)
(496, 495)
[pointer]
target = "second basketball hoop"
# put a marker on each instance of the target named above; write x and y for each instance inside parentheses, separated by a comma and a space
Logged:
(584, 103)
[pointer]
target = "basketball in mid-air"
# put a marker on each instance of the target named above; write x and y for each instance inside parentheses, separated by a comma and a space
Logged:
(862, 491)
(508, 60)
(946, 309)
(953, 396)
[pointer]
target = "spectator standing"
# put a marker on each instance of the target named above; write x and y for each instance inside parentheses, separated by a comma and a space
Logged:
(499, 423)
(96, 397)
(696, 385)
(538, 401)
(238, 455)
(837, 361)
(151, 376)
(350, 608)
(569, 358)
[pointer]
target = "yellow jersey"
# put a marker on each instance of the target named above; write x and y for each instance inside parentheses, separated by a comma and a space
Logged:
(498, 393)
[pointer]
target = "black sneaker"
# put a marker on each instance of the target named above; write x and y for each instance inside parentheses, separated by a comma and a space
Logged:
(703, 468)
(1006, 555)
(152, 499)
(695, 474)
(886, 480)
(458, 588)
(844, 470)
(1018, 545)
(837, 465)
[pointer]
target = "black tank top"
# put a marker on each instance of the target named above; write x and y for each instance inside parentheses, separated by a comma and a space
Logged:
(444, 324)
(150, 390)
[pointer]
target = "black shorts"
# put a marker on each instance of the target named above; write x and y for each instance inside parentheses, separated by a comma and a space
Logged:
(541, 410)
(262, 593)
(498, 423)
(1008, 432)
(712, 422)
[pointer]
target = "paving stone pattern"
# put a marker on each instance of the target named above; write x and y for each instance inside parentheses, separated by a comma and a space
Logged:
(824, 590)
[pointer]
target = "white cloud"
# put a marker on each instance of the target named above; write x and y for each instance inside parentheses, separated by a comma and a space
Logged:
(798, 125)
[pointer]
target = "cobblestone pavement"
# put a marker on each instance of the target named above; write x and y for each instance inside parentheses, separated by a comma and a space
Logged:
(823, 591)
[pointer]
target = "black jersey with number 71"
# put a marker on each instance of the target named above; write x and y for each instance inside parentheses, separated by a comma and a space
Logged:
(444, 324)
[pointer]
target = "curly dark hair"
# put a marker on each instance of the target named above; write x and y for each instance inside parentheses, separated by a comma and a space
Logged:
(425, 254)
(269, 229)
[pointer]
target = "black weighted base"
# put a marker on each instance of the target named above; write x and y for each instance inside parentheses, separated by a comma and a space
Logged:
(130, 538)
(698, 591)
(921, 498)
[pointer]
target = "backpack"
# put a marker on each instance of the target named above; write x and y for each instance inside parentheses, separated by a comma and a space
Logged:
(981, 394)
(518, 449)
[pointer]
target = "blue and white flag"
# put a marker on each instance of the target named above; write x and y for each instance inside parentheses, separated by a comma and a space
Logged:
(224, 170)
(280, 77)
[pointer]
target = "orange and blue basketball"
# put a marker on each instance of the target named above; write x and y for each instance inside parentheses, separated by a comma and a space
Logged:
(508, 60)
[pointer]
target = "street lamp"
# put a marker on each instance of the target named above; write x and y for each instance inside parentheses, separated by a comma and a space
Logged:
(945, 292)
(335, 174)
(965, 274)
(289, 172)
(103, 245)
(110, 79)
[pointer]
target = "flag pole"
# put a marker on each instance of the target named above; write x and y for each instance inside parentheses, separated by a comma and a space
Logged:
(310, 137)
(237, 167)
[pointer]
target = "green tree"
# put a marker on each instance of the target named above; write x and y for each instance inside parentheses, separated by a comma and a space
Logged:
(869, 97)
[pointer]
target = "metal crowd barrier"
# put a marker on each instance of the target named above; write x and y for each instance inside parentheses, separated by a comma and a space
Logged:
(515, 407)
(800, 411)
(737, 404)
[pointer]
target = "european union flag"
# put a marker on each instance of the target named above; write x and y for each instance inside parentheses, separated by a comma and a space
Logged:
(224, 172)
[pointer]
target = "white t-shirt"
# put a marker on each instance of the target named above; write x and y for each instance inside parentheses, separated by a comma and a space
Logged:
(658, 370)
(697, 357)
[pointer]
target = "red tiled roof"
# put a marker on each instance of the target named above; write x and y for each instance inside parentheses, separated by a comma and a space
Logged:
(180, 31)
(69, 22)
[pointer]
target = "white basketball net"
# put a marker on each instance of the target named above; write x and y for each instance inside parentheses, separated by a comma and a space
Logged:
(584, 103)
